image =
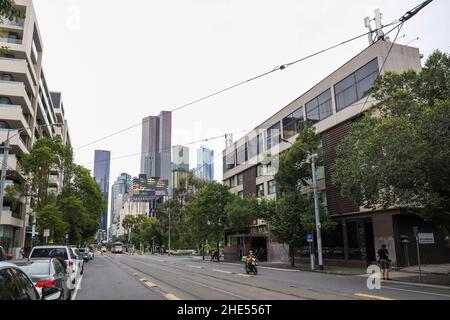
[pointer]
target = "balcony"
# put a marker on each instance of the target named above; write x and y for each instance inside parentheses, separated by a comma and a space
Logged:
(16, 91)
(16, 142)
(53, 181)
(13, 23)
(7, 218)
(13, 115)
(10, 40)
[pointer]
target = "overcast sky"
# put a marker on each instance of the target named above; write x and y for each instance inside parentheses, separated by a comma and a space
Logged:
(119, 61)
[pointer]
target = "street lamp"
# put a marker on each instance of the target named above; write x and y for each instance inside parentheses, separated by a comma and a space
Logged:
(313, 158)
(6, 149)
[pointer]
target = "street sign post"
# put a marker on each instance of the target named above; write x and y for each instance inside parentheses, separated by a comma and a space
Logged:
(416, 235)
(426, 238)
(310, 239)
(46, 235)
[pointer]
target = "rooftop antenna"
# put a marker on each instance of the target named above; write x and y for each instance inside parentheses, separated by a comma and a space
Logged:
(378, 31)
(228, 140)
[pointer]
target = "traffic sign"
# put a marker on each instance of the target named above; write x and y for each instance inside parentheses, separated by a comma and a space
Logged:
(46, 232)
(309, 237)
(426, 238)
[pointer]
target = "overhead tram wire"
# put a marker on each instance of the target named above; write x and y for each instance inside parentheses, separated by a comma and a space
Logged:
(408, 15)
(279, 68)
(168, 149)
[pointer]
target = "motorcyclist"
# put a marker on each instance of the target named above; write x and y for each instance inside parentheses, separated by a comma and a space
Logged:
(250, 258)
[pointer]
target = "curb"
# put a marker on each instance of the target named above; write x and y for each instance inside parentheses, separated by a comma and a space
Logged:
(415, 284)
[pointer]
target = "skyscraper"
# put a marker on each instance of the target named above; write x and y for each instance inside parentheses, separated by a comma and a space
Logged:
(123, 185)
(157, 146)
(102, 162)
(180, 165)
(205, 164)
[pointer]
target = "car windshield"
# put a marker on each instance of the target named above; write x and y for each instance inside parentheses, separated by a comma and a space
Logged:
(36, 268)
(50, 252)
(82, 250)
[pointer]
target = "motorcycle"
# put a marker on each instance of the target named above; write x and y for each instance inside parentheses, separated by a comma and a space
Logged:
(251, 267)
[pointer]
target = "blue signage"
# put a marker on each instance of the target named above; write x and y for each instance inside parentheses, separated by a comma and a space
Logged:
(309, 237)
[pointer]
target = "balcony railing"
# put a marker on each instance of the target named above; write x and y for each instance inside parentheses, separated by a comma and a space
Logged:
(11, 40)
(14, 22)
(9, 106)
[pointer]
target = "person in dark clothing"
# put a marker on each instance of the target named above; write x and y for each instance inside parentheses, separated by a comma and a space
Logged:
(384, 262)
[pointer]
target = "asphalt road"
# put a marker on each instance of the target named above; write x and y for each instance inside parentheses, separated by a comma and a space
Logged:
(149, 277)
(105, 280)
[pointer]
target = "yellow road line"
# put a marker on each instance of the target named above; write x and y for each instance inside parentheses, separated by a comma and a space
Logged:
(222, 271)
(171, 297)
(148, 283)
(362, 295)
(135, 274)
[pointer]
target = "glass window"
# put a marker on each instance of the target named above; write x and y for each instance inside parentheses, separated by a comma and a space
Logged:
(252, 148)
(290, 123)
(356, 86)
(272, 187)
(273, 136)
(319, 108)
(240, 178)
(7, 77)
(241, 155)
(230, 161)
(260, 190)
(24, 285)
(233, 182)
(260, 171)
(36, 268)
(260, 143)
(8, 288)
(50, 252)
(241, 194)
(5, 100)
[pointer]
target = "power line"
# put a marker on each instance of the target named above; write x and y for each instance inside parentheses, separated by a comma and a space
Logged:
(279, 68)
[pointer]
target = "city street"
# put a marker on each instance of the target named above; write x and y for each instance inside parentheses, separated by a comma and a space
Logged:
(149, 277)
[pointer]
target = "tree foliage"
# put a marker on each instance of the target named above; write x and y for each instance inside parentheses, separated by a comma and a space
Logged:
(398, 154)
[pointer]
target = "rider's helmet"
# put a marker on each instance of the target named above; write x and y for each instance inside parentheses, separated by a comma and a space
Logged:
(250, 252)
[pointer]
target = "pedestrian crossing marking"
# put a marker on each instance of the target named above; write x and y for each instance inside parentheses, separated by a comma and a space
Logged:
(171, 297)
(372, 297)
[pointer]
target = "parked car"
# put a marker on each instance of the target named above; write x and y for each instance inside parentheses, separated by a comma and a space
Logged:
(2, 254)
(78, 258)
(63, 252)
(16, 285)
(46, 273)
(85, 254)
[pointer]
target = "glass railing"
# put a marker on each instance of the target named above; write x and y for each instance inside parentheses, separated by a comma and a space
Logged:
(11, 40)
(15, 22)
(17, 83)
(8, 106)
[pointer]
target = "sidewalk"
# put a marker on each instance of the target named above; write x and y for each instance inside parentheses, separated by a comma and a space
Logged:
(434, 275)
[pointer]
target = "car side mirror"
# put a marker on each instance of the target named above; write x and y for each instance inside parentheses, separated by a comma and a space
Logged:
(51, 293)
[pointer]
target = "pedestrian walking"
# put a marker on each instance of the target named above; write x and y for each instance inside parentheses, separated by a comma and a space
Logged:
(384, 262)
(22, 253)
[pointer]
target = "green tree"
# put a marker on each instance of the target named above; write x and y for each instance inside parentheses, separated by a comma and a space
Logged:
(291, 216)
(397, 155)
(76, 217)
(241, 212)
(151, 231)
(207, 215)
(50, 217)
(47, 155)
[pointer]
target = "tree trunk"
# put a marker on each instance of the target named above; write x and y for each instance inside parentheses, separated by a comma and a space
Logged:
(218, 251)
(203, 250)
(292, 249)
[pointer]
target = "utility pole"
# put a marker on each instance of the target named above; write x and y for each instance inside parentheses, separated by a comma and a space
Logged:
(317, 211)
(169, 232)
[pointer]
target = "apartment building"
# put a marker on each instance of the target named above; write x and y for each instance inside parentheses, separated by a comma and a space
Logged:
(332, 105)
(28, 112)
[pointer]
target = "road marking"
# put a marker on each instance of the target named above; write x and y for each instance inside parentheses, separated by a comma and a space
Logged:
(222, 271)
(196, 267)
(362, 295)
(244, 275)
(414, 291)
(171, 297)
(135, 274)
(279, 269)
(148, 283)
(77, 287)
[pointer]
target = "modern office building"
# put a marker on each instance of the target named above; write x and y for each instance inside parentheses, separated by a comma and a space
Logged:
(180, 166)
(121, 186)
(157, 146)
(205, 164)
(333, 105)
(29, 112)
(102, 163)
